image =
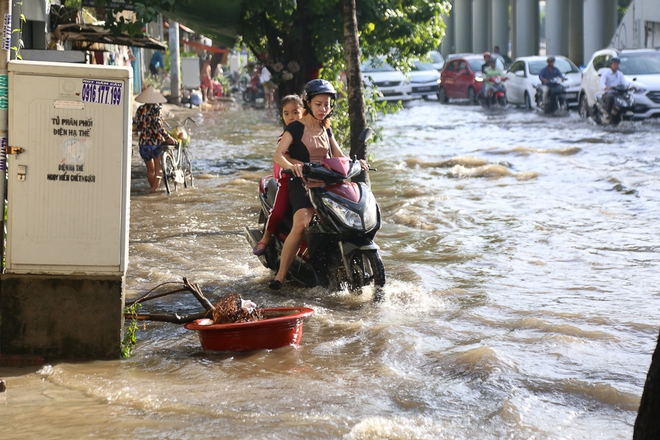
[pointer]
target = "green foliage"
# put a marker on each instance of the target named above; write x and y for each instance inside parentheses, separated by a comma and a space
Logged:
(130, 336)
(19, 44)
(147, 11)
(154, 81)
(398, 29)
(340, 117)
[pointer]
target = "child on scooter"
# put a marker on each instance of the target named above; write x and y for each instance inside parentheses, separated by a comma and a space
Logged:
(292, 110)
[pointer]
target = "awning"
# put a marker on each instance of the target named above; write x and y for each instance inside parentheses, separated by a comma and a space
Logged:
(216, 19)
(186, 29)
(201, 46)
(90, 34)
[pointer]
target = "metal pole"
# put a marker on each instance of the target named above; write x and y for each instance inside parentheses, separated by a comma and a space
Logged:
(175, 64)
(5, 14)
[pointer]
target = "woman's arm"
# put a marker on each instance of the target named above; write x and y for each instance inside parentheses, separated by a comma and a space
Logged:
(334, 148)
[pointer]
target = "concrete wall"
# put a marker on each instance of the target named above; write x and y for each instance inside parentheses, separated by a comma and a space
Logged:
(631, 31)
(61, 316)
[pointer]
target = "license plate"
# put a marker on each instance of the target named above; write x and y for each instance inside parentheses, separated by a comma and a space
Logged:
(388, 92)
(422, 89)
(571, 95)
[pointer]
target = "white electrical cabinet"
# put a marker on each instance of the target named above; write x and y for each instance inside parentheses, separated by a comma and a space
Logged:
(68, 168)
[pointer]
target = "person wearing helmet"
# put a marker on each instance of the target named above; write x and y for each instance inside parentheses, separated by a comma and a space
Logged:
(611, 79)
(487, 58)
(491, 71)
(309, 139)
(547, 74)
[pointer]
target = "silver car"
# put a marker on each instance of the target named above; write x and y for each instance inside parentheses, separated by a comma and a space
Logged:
(391, 84)
(641, 67)
(424, 79)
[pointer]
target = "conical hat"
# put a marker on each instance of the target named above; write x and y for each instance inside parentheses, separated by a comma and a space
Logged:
(150, 96)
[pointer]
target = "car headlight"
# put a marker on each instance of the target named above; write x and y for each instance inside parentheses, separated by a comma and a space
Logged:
(640, 90)
(478, 79)
(370, 212)
(348, 217)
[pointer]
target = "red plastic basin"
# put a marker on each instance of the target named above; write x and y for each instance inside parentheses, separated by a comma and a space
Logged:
(280, 327)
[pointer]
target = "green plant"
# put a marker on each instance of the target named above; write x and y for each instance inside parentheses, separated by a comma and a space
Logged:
(130, 335)
(19, 43)
(154, 81)
(373, 109)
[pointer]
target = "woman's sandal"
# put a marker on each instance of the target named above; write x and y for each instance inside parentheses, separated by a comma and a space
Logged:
(275, 284)
(260, 250)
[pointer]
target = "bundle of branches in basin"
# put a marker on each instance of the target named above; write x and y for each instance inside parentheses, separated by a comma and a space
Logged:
(229, 309)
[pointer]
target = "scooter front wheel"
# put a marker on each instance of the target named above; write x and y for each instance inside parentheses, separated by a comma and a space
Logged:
(366, 267)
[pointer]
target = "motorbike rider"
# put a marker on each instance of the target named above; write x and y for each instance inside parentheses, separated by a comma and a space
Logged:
(487, 58)
(611, 79)
(491, 71)
(546, 75)
(309, 139)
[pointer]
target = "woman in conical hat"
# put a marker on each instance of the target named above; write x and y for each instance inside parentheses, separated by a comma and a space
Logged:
(149, 124)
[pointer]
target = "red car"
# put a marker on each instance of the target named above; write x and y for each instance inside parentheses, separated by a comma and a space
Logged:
(461, 78)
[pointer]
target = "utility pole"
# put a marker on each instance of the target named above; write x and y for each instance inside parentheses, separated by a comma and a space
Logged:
(355, 87)
(175, 64)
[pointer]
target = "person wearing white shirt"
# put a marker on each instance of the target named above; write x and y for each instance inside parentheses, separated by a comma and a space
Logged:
(269, 86)
(610, 80)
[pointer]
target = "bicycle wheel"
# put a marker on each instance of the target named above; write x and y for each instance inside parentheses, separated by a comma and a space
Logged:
(167, 163)
(188, 178)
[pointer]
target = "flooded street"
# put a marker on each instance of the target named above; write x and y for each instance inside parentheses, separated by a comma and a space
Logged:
(521, 302)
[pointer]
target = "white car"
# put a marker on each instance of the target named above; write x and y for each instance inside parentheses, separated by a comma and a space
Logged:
(391, 84)
(641, 67)
(424, 79)
(437, 60)
(523, 76)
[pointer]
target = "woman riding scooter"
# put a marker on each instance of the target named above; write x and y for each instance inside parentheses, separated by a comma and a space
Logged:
(492, 71)
(308, 140)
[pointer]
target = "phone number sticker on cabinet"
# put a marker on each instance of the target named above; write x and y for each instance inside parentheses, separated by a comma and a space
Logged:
(101, 92)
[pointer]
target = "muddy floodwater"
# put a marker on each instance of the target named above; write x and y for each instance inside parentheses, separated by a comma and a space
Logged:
(522, 298)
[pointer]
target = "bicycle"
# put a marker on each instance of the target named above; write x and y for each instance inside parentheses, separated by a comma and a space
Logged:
(176, 161)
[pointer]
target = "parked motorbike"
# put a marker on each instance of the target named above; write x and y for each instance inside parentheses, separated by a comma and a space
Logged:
(622, 108)
(497, 96)
(237, 82)
(556, 96)
(338, 248)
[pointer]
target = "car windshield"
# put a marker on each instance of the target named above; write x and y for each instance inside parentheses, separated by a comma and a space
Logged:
(376, 65)
(640, 64)
(436, 57)
(563, 64)
(475, 65)
(423, 66)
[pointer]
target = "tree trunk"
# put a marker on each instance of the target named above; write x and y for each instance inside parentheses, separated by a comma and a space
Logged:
(647, 425)
(354, 82)
(294, 46)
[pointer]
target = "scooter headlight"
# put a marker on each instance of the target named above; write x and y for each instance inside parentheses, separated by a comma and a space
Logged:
(478, 79)
(370, 212)
(348, 217)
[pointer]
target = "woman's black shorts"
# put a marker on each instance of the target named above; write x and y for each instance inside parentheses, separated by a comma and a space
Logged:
(298, 195)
